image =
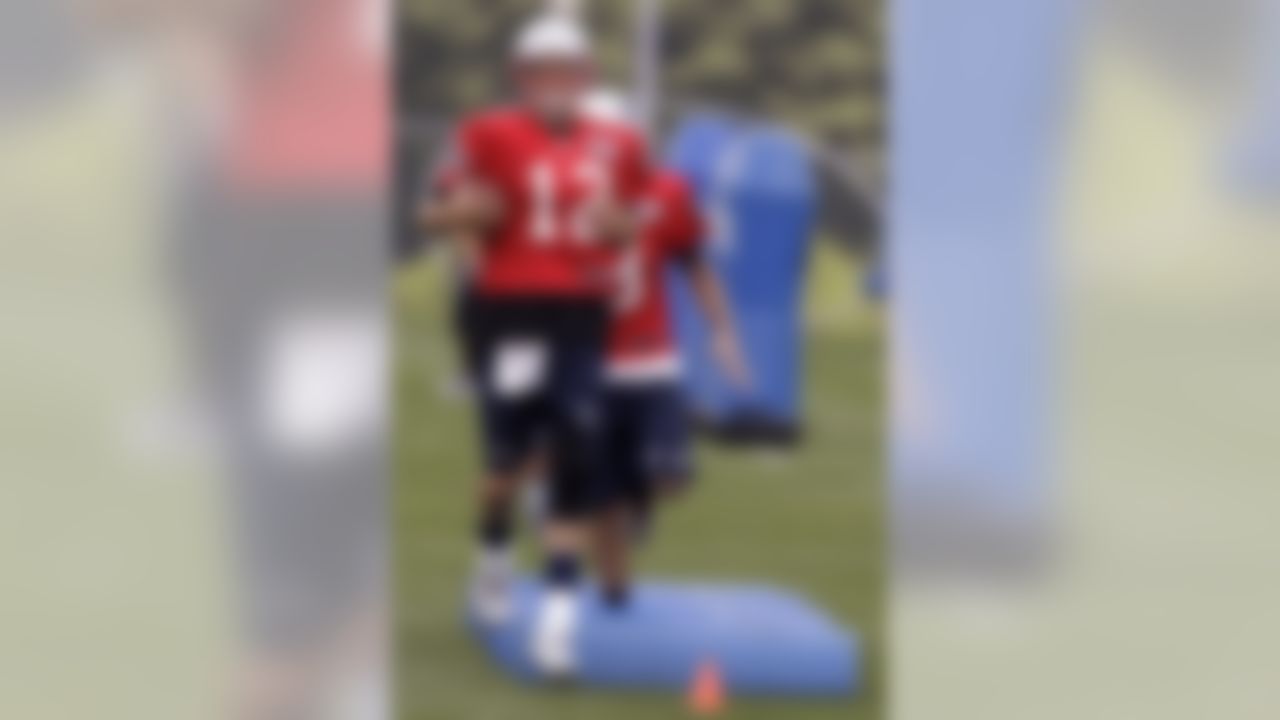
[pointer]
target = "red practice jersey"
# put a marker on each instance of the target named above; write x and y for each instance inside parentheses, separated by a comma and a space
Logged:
(642, 345)
(548, 182)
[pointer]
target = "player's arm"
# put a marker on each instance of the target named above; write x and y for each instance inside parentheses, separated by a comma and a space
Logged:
(713, 302)
(455, 226)
(683, 230)
(463, 202)
(621, 219)
(465, 210)
(617, 223)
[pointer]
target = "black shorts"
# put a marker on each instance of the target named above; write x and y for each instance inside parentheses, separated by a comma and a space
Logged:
(650, 440)
(537, 365)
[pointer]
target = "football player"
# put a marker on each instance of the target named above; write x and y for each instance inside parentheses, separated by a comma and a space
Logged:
(553, 196)
(650, 446)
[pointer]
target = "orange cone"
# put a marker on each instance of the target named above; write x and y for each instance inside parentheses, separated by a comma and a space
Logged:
(707, 696)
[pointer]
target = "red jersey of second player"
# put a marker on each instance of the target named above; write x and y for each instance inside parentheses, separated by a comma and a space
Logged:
(641, 344)
(549, 182)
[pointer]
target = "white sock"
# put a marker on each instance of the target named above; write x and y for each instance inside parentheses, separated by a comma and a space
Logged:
(494, 560)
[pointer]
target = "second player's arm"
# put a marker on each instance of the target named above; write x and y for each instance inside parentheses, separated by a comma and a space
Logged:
(713, 301)
(620, 219)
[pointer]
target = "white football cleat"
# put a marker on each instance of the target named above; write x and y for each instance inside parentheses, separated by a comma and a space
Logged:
(555, 634)
(491, 587)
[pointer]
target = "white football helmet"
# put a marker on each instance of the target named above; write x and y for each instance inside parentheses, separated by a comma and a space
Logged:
(553, 36)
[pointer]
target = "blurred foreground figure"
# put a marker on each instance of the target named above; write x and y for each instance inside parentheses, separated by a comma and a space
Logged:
(243, 144)
(552, 195)
(282, 267)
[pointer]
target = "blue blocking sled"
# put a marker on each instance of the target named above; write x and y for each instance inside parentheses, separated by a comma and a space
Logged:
(757, 188)
(765, 641)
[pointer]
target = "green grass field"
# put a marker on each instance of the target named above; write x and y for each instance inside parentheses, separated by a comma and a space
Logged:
(811, 520)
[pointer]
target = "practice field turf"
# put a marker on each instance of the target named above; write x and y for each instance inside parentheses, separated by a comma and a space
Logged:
(811, 520)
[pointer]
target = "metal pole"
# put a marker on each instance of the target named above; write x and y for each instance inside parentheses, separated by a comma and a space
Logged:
(647, 57)
(572, 8)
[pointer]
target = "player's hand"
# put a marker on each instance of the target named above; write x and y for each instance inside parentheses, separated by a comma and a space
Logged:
(468, 208)
(727, 352)
(614, 223)
(479, 204)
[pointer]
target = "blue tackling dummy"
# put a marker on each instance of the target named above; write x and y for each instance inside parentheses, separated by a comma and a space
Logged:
(765, 641)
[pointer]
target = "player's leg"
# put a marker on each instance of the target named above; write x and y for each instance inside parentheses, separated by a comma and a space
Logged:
(510, 430)
(578, 447)
(668, 444)
(509, 427)
(533, 491)
(650, 460)
(616, 522)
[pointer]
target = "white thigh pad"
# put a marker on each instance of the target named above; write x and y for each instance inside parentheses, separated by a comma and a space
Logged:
(519, 368)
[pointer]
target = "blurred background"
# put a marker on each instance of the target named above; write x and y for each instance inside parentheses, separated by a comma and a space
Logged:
(1131, 146)
(802, 83)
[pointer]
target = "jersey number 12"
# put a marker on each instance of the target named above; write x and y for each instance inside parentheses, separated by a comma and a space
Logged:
(548, 221)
